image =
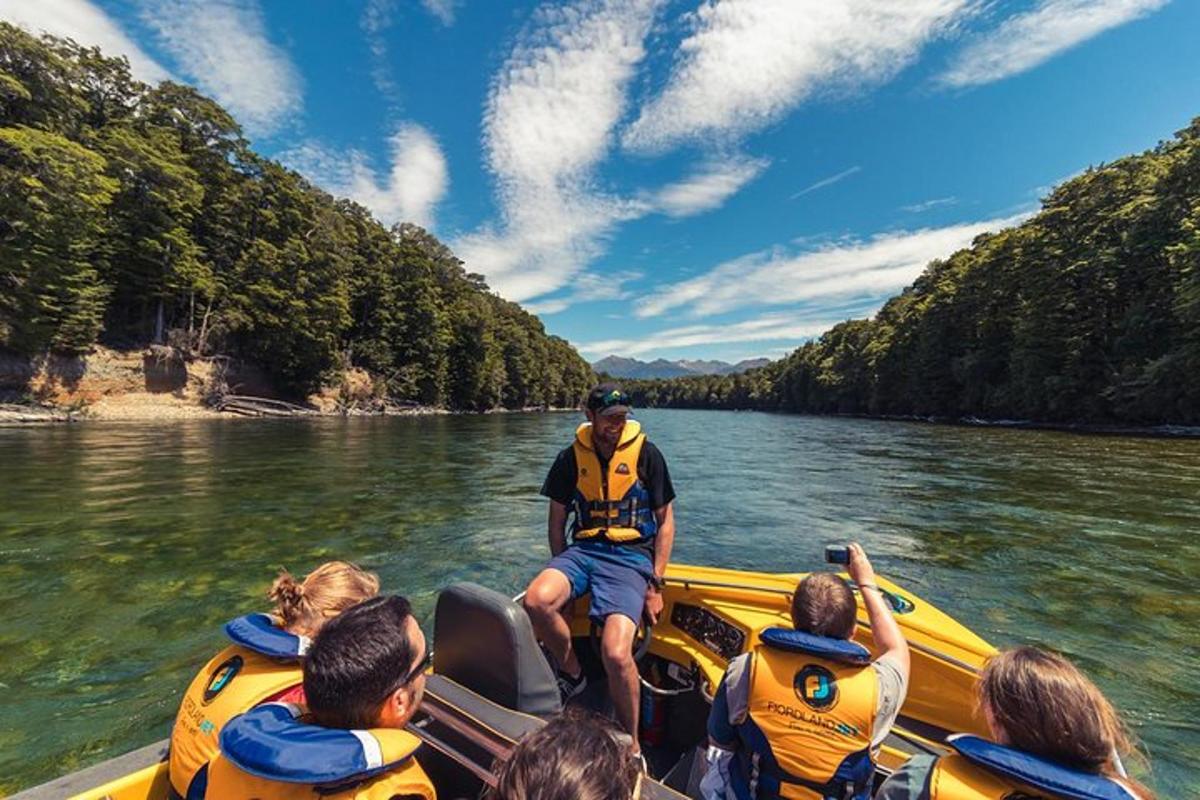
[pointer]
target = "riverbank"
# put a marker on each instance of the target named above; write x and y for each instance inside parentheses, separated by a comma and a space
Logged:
(157, 385)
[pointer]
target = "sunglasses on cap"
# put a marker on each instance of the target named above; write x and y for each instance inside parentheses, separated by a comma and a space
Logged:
(614, 398)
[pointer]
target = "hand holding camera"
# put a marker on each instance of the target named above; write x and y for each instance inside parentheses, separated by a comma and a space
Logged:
(856, 561)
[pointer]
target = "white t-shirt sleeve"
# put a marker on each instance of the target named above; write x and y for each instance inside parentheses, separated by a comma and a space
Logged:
(737, 688)
(893, 688)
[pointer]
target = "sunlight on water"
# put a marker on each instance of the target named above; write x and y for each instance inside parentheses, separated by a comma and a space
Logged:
(124, 547)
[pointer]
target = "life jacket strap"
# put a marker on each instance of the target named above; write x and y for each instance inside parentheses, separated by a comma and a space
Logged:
(770, 780)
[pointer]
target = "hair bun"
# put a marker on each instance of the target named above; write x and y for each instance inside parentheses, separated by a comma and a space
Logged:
(286, 592)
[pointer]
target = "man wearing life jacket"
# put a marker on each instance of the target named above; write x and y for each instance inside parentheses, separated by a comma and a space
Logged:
(802, 714)
(363, 681)
(615, 486)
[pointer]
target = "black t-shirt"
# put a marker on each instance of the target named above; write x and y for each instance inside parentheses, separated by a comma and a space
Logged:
(651, 467)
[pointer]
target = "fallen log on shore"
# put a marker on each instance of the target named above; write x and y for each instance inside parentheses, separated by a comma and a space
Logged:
(247, 406)
(17, 413)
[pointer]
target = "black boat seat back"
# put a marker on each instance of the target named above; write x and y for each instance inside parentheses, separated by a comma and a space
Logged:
(484, 641)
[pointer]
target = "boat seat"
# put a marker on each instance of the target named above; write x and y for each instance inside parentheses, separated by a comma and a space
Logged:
(484, 642)
(464, 735)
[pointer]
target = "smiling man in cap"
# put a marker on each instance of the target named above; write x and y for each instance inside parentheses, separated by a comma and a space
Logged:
(615, 487)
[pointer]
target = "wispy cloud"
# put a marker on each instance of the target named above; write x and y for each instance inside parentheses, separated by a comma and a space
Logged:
(708, 188)
(769, 328)
(548, 122)
(87, 25)
(375, 21)
(875, 267)
(918, 208)
(223, 46)
(1024, 41)
(444, 10)
(588, 287)
(409, 192)
(830, 181)
(747, 62)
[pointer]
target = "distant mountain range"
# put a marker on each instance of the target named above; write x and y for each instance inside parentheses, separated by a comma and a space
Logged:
(619, 367)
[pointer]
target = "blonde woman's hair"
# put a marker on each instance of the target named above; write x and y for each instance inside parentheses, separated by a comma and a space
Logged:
(1044, 705)
(323, 594)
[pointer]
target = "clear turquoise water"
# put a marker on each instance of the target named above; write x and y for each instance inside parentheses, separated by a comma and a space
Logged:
(124, 547)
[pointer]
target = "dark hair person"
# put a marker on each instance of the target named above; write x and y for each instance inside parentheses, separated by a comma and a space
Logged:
(573, 757)
(263, 662)
(358, 669)
(364, 678)
(1038, 703)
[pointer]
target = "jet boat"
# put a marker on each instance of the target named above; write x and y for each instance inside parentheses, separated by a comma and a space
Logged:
(490, 684)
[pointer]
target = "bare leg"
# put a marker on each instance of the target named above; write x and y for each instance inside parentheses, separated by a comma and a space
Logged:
(549, 592)
(617, 647)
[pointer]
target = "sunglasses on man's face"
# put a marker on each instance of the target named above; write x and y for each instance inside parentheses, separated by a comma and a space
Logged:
(421, 666)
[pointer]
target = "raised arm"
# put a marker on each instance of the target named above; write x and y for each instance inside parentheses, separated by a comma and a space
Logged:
(884, 630)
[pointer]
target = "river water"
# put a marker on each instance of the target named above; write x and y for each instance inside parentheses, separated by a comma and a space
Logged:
(124, 547)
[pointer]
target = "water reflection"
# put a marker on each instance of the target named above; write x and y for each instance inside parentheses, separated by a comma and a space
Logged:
(124, 547)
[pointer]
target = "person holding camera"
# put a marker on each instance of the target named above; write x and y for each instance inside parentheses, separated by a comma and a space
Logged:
(807, 707)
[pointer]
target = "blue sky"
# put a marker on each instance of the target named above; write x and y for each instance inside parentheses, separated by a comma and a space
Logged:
(717, 179)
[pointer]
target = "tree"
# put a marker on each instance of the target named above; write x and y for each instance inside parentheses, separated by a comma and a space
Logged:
(53, 195)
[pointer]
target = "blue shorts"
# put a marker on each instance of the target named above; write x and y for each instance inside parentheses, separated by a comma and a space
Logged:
(616, 576)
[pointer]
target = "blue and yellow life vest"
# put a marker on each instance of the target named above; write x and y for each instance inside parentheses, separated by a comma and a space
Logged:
(611, 503)
(809, 720)
(983, 770)
(262, 662)
(268, 753)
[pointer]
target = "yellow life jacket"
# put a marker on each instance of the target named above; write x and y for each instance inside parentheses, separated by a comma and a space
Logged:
(809, 721)
(269, 754)
(610, 501)
(956, 778)
(983, 770)
(263, 664)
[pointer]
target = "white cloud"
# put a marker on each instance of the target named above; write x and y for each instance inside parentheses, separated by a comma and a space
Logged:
(1026, 40)
(223, 46)
(376, 19)
(547, 123)
(919, 208)
(747, 62)
(830, 181)
(708, 188)
(444, 10)
(769, 328)
(588, 287)
(410, 191)
(87, 25)
(875, 267)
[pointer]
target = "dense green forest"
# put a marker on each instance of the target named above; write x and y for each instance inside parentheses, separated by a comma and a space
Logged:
(1089, 312)
(132, 214)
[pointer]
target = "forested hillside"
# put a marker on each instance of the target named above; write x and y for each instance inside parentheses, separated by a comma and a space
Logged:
(1089, 312)
(132, 214)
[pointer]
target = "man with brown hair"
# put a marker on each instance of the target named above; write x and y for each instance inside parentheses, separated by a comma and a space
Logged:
(807, 707)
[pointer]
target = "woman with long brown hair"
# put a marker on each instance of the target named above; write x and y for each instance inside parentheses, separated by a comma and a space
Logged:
(1050, 727)
(262, 664)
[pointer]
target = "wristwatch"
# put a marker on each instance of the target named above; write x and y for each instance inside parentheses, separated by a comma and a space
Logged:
(657, 582)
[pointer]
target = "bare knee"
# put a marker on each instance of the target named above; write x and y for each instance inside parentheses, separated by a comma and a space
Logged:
(542, 598)
(617, 655)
